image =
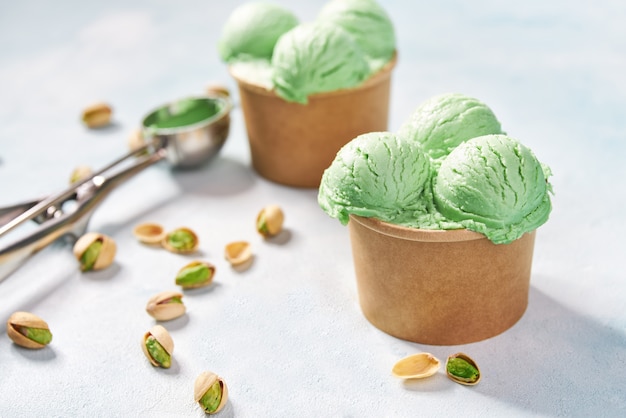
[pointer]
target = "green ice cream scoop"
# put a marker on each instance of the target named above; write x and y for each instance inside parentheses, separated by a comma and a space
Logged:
(493, 185)
(314, 58)
(443, 122)
(367, 22)
(252, 30)
(375, 175)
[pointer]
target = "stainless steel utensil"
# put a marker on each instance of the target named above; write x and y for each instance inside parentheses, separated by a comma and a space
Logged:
(183, 146)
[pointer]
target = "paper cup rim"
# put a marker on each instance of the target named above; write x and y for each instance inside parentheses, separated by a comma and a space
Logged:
(374, 79)
(416, 234)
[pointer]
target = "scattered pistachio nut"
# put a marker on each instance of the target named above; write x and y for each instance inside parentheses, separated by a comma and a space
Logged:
(80, 173)
(195, 274)
(166, 306)
(28, 330)
(416, 366)
(269, 221)
(97, 115)
(136, 140)
(462, 369)
(180, 240)
(94, 251)
(211, 392)
(238, 252)
(149, 233)
(158, 346)
(216, 89)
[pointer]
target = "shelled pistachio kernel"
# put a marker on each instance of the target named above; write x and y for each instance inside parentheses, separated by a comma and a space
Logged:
(180, 240)
(211, 392)
(158, 346)
(238, 252)
(28, 330)
(165, 306)
(269, 221)
(97, 115)
(416, 366)
(195, 274)
(80, 173)
(94, 251)
(462, 369)
(149, 233)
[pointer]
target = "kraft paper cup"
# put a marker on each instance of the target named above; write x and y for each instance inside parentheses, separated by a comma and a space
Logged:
(439, 287)
(292, 143)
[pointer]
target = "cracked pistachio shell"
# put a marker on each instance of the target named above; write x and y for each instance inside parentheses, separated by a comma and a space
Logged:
(80, 173)
(416, 366)
(195, 274)
(149, 233)
(97, 115)
(238, 252)
(269, 221)
(28, 330)
(211, 392)
(94, 251)
(462, 369)
(181, 240)
(160, 334)
(166, 305)
(136, 140)
(216, 89)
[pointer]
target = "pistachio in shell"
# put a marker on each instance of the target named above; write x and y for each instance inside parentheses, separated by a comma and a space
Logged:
(416, 366)
(165, 306)
(97, 115)
(211, 392)
(195, 274)
(80, 173)
(462, 369)
(28, 330)
(181, 240)
(238, 252)
(94, 251)
(158, 346)
(149, 233)
(269, 221)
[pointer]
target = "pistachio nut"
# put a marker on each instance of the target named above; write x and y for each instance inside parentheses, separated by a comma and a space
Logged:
(80, 173)
(165, 306)
(211, 392)
(94, 251)
(238, 252)
(195, 274)
(158, 346)
(180, 240)
(28, 330)
(216, 89)
(97, 115)
(269, 221)
(416, 366)
(136, 140)
(149, 233)
(462, 369)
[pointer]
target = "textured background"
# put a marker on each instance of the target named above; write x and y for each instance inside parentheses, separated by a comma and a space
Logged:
(287, 335)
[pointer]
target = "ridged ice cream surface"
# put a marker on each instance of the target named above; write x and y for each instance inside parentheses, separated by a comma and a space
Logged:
(494, 185)
(444, 121)
(375, 175)
(490, 183)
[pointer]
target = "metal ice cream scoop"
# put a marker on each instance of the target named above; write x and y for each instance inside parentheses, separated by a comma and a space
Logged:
(169, 135)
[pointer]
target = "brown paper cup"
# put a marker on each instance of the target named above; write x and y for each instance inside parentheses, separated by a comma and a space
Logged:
(439, 287)
(292, 143)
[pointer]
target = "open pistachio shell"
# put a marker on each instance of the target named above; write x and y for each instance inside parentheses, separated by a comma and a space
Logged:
(195, 274)
(80, 173)
(28, 330)
(181, 240)
(269, 221)
(209, 381)
(238, 252)
(160, 334)
(166, 305)
(149, 233)
(462, 369)
(416, 366)
(95, 251)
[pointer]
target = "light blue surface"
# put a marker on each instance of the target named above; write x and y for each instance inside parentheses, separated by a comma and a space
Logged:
(288, 335)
